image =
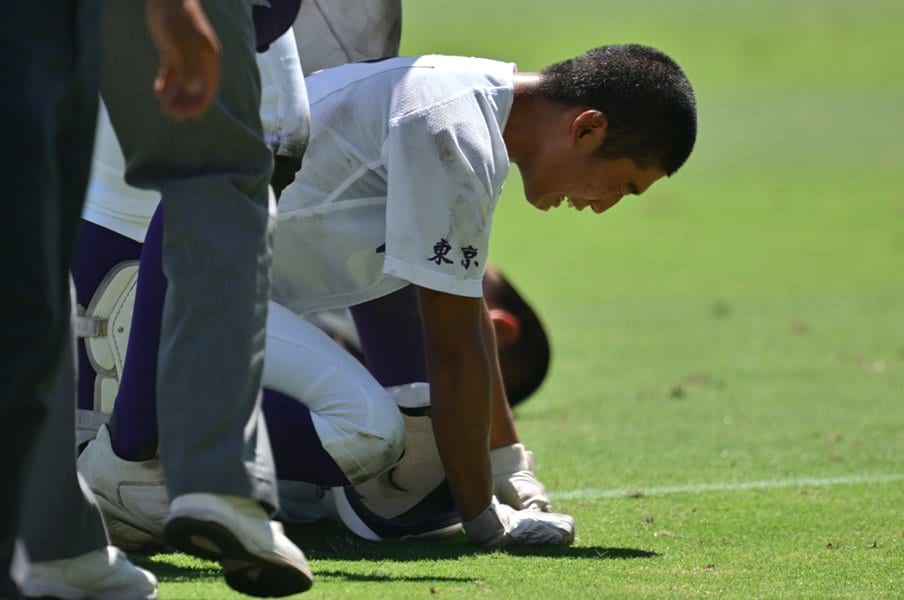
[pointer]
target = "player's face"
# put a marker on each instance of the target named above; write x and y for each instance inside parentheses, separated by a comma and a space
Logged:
(589, 182)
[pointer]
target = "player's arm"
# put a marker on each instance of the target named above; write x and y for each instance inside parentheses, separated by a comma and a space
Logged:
(460, 395)
(461, 388)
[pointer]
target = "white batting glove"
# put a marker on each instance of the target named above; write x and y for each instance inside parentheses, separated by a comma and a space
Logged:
(502, 525)
(514, 482)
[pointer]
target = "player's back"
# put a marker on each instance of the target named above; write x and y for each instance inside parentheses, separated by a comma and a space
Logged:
(395, 120)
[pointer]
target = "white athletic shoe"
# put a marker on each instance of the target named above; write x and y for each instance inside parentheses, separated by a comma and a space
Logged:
(257, 557)
(104, 574)
(131, 495)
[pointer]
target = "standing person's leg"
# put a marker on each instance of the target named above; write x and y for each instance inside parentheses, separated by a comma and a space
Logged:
(66, 551)
(58, 522)
(52, 63)
(44, 213)
(213, 174)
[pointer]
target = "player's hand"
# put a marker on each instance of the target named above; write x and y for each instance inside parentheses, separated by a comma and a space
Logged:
(502, 525)
(189, 73)
(514, 482)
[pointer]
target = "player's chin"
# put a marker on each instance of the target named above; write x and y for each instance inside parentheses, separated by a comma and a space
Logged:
(548, 201)
(535, 202)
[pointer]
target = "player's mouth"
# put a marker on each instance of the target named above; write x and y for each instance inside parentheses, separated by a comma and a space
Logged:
(578, 205)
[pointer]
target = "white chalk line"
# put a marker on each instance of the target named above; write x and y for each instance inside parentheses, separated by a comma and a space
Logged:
(699, 488)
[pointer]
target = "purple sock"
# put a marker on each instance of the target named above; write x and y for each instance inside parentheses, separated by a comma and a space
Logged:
(98, 250)
(296, 448)
(135, 412)
(392, 338)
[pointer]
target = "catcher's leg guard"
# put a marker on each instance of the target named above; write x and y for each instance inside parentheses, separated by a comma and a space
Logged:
(105, 326)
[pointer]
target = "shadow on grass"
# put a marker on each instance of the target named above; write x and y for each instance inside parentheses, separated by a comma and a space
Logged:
(358, 577)
(174, 567)
(178, 568)
(330, 542)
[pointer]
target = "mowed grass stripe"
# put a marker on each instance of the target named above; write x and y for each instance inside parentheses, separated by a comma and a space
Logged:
(699, 488)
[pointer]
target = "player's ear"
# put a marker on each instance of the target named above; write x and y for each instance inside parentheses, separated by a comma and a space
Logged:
(589, 129)
(507, 327)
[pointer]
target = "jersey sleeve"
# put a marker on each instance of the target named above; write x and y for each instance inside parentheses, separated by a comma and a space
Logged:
(445, 167)
(285, 113)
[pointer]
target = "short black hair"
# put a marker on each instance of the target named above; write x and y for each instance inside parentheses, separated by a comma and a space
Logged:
(645, 95)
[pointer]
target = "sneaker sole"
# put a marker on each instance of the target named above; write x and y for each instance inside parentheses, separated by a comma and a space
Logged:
(244, 571)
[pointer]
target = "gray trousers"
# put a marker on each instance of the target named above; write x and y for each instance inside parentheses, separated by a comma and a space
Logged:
(213, 175)
(57, 520)
(51, 63)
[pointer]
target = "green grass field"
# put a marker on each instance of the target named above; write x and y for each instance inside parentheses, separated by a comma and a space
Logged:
(725, 411)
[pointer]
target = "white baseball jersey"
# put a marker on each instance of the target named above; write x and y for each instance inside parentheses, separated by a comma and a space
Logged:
(111, 203)
(405, 163)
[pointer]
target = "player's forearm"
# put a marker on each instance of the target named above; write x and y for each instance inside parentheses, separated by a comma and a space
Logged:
(460, 395)
(460, 411)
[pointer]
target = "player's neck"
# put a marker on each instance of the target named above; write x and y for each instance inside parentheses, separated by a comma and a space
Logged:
(530, 118)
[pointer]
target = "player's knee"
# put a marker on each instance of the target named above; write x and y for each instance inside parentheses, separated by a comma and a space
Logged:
(365, 445)
(385, 456)
(377, 451)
